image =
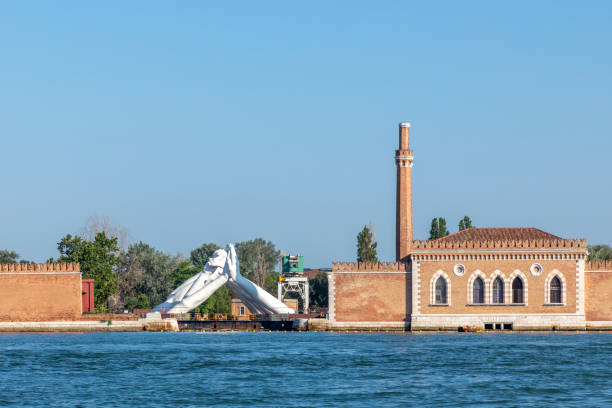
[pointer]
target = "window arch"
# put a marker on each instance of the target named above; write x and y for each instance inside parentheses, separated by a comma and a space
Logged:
(478, 290)
(498, 290)
(440, 289)
(524, 281)
(486, 288)
(517, 291)
(556, 293)
(441, 298)
(555, 288)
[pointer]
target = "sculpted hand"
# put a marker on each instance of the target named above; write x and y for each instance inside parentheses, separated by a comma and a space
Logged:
(231, 264)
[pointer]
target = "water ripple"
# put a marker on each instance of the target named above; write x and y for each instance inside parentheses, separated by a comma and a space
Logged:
(305, 370)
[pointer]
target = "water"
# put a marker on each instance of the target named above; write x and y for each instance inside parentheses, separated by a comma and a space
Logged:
(305, 369)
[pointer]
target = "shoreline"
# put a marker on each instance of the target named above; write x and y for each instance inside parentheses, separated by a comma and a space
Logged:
(171, 325)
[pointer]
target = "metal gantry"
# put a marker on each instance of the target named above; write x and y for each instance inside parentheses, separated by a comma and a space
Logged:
(294, 284)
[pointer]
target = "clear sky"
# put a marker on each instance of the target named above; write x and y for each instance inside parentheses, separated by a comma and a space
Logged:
(191, 122)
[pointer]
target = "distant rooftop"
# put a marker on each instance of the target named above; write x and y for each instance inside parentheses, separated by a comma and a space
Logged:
(496, 238)
(497, 234)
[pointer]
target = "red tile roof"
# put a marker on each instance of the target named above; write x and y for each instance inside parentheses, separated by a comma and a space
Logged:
(498, 234)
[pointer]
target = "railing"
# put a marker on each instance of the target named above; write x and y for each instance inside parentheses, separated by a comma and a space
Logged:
(224, 316)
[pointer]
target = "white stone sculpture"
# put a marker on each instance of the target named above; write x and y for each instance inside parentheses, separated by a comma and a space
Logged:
(222, 268)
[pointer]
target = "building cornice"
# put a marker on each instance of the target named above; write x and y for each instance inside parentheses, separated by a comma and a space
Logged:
(498, 251)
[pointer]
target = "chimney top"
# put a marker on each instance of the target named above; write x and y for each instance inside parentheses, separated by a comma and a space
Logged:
(404, 124)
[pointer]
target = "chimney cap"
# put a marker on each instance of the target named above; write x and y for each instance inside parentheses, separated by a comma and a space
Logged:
(404, 124)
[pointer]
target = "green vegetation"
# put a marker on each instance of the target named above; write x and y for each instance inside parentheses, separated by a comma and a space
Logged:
(258, 258)
(219, 302)
(600, 253)
(318, 291)
(465, 223)
(199, 256)
(7, 256)
(366, 246)
(438, 228)
(140, 302)
(99, 260)
(145, 270)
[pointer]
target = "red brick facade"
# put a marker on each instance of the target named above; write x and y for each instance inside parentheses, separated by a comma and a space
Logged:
(598, 291)
(40, 292)
(366, 292)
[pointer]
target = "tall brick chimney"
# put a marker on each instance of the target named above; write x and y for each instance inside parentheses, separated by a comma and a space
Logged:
(403, 221)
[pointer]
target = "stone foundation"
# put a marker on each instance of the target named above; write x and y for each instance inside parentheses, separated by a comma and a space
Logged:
(518, 321)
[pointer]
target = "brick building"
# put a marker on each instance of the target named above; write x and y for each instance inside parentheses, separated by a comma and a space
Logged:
(519, 278)
(242, 312)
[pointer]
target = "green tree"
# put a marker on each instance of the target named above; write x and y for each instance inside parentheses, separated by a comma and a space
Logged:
(7, 256)
(434, 232)
(271, 282)
(438, 228)
(258, 258)
(318, 291)
(140, 302)
(145, 270)
(442, 232)
(199, 256)
(366, 246)
(465, 223)
(600, 253)
(99, 261)
(183, 271)
(218, 302)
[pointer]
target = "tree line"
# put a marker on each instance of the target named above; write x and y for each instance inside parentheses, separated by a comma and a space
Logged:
(137, 275)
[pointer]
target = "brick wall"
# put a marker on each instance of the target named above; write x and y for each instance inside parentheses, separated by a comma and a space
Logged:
(598, 282)
(40, 292)
(370, 292)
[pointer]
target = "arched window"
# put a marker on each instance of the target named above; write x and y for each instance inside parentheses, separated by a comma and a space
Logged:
(498, 290)
(478, 290)
(517, 290)
(441, 291)
(555, 290)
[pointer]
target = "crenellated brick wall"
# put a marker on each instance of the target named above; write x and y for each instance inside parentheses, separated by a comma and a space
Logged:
(511, 244)
(42, 267)
(598, 284)
(598, 266)
(369, 294)
(40, 292)
(369, 266)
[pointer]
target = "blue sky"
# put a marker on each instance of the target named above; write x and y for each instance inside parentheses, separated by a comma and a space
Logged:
(193, 122)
